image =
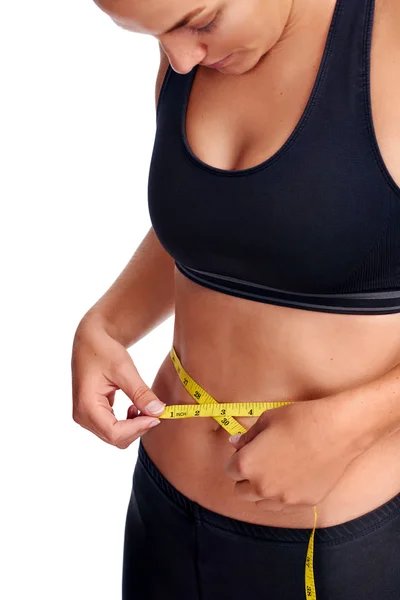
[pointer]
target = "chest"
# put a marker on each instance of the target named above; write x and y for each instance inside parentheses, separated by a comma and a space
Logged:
(235, 123)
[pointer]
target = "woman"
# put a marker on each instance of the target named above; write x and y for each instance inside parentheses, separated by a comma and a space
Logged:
(274, 197)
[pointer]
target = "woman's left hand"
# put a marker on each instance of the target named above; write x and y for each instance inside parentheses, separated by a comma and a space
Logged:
(294, 455)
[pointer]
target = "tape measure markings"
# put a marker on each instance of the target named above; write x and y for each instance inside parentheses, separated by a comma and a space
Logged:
(209, 407)
(237, 409)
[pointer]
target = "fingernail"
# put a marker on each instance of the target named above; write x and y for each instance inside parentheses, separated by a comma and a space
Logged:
(155, 406)
(235, 438)
(154, 423)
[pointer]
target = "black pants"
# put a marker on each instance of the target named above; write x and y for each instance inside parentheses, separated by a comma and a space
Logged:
(176, 549)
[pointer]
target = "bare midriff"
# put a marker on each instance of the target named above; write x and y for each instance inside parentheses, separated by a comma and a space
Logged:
(240, 350)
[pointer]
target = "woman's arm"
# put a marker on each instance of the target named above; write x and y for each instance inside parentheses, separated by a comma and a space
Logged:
(142, 296)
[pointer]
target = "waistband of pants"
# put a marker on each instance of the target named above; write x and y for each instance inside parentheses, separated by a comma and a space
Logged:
(333, 534)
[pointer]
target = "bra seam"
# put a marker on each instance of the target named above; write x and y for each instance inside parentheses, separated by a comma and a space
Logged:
(294, 303)
(372, 295)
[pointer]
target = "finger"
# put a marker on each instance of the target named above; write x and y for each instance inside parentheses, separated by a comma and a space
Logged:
(118, 433)
(111, 397)
(240, 465)
(132, 412)
(129, 381)
(237, 467)
(245, 490)
(251, 433)
(130, 430)
(232, 468)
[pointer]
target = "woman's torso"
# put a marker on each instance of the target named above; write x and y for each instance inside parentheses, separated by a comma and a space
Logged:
(240, 350)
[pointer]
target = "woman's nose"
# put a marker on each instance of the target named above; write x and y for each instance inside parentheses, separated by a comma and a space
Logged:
(183, 54)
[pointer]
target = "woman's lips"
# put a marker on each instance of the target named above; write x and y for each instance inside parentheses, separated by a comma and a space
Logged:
(220, 63)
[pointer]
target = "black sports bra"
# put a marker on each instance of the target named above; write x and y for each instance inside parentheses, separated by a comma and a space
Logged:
(316, 226)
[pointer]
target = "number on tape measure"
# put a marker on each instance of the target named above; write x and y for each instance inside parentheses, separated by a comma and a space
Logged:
(232, 426)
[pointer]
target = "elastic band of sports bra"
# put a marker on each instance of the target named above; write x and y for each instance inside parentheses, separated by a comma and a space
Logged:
(360, 301)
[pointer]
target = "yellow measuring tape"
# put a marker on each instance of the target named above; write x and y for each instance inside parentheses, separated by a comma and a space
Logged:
(223, 414)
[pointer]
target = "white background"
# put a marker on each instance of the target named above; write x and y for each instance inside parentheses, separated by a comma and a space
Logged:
(77, 124)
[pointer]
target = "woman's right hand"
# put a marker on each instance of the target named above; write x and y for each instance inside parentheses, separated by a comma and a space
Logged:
(100, 366)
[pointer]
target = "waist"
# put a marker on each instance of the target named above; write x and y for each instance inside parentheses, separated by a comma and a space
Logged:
(240, 351)
(192, 455)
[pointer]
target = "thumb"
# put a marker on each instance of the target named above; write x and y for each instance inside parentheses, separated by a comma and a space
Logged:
(129, 381)
(241, 439)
